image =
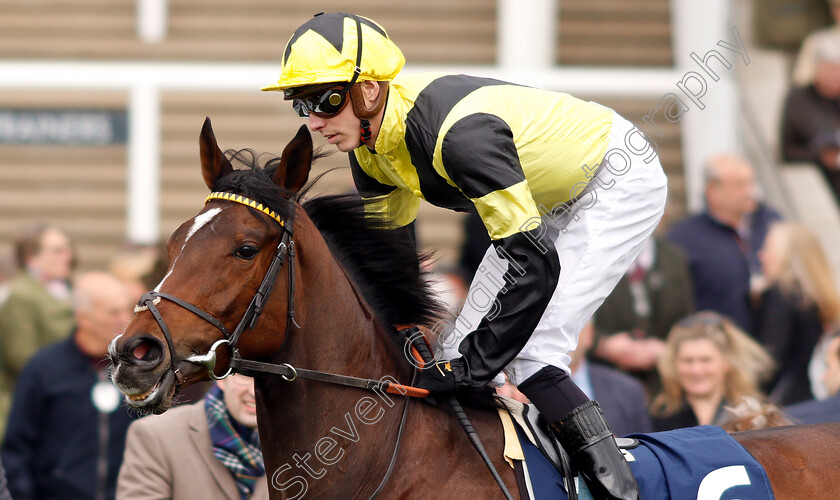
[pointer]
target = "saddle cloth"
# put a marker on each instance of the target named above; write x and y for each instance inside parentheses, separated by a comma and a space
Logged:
(702, 463)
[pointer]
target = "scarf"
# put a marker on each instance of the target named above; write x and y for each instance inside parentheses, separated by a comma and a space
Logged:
(237, 447)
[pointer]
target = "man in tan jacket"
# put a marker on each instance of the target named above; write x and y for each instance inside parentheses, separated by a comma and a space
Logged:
(208, 450)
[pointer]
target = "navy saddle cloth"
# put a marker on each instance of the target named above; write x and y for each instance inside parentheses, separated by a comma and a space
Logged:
(702, 463)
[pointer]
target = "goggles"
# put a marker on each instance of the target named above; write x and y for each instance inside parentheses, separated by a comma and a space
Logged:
(325, 104)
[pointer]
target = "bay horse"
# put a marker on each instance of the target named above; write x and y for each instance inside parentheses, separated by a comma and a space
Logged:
(340, 282)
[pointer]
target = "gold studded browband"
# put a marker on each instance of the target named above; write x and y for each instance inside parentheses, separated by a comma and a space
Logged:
(247, 202)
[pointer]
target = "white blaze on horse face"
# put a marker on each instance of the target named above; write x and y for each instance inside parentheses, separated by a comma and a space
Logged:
(199, 221)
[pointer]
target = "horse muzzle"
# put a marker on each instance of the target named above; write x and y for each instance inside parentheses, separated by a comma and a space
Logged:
(141, 373)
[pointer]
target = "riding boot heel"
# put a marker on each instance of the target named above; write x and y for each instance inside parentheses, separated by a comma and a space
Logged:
(585, 435)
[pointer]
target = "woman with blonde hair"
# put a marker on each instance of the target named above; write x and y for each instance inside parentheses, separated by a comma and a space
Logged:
(800, 302)
(708, 363)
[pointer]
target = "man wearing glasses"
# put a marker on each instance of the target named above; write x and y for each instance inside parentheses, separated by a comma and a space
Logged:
(567, 190)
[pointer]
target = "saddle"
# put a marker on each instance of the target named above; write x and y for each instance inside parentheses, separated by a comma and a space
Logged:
(533, 427)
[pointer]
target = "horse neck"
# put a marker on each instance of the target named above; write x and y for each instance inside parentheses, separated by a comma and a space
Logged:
(339, 334)
(339, 330)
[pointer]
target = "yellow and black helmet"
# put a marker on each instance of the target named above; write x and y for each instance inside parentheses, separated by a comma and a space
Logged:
(328, 49)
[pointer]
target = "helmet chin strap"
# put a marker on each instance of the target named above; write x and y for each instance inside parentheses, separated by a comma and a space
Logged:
(365, 124)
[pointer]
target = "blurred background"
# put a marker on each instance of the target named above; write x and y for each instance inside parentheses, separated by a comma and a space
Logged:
(101, 101)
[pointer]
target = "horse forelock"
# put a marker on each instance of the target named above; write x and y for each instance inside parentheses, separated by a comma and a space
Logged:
(253, 180)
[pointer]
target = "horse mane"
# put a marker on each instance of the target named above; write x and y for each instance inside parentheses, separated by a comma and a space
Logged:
(381, 262)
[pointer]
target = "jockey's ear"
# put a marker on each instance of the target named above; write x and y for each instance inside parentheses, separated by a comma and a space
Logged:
(214, 163)
(293, 171)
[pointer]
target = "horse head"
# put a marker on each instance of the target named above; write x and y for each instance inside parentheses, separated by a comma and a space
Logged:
(225, 260)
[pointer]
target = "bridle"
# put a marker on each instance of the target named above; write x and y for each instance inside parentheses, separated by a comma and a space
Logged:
(249, 319)
(149, 300)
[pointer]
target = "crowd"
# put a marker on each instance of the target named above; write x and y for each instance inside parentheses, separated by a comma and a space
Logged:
(728, 310)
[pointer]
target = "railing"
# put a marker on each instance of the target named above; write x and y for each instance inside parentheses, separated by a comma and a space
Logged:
(760, 154)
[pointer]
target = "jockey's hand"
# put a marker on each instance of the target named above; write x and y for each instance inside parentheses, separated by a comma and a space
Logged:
(437, 378)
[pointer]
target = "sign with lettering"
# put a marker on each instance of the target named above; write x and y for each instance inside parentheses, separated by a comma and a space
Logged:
(74, 127)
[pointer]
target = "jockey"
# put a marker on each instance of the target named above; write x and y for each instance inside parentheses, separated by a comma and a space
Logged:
(568, 191)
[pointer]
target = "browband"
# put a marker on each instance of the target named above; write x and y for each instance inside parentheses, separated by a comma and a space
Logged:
(247, 202)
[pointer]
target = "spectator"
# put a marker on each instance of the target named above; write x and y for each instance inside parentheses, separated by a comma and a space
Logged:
(67, 428)
(37, 311)
(819, 45)
(708, 363)
(799, 304)
(632, 324)
(132, 264)
(206, 450)
(811, 120)
(825, 410)
(722, 243)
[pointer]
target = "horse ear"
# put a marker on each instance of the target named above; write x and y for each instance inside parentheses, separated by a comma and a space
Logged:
(214, 164)
(296, 162)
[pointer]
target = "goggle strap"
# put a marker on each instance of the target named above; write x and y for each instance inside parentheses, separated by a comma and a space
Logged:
(358, 69)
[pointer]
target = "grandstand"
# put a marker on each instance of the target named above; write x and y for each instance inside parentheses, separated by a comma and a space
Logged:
(60, 55)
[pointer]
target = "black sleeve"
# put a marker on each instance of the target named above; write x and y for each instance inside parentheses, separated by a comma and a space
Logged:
(479, 155)
(531, 280)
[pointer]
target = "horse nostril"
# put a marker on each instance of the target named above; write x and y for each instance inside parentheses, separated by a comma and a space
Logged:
(141, 350)
(145, 351)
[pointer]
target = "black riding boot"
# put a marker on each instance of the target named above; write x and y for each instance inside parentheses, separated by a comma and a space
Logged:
(580, 428)
(585, 435)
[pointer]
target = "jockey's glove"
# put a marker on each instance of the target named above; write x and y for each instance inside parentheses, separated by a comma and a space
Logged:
(438, 378)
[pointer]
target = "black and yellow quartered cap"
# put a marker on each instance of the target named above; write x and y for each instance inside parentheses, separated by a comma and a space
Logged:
(324, 50)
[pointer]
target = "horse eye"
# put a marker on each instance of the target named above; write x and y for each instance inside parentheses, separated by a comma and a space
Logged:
(246, 252)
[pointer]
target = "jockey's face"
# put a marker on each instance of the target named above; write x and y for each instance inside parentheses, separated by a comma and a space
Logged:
(343, 130)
